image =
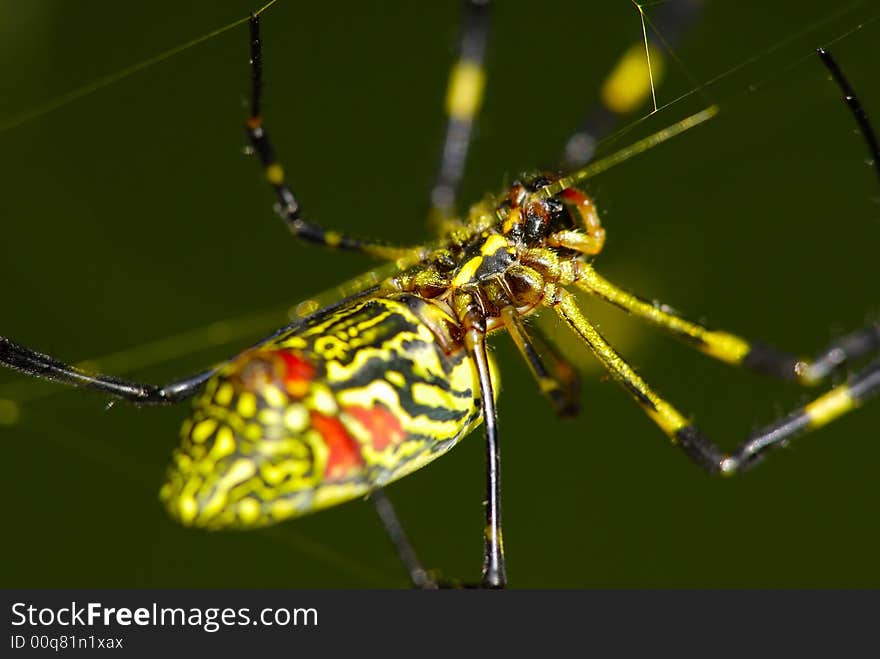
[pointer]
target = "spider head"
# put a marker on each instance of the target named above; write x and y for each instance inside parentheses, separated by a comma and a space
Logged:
(530, 218)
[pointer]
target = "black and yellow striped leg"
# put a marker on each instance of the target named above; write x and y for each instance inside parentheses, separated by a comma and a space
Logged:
(36, 364)
(463, 99)
(288, 207)
(821, 411)
(559, 382)
(838, 353)
(629, 85)
(494, 571)
(729, 347)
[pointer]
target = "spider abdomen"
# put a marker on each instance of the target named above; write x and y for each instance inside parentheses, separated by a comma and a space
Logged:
(355, 398)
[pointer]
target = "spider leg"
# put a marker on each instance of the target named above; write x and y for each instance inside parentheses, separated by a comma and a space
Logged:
(464, 96)
(565, 373)
(39, 365)
(463, 99)
(629, 84)
(494, 572)
(824, 409)
(731, 348)
(418, 575)
(734, 349)
(559, 382)
(36, 364)
(855, 107)
(288, 206)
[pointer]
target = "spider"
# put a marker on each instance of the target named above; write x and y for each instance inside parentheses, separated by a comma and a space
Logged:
(519, 200)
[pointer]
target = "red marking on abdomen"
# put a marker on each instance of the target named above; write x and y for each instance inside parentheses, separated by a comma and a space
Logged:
(298, 372)
(343, 451)
(383, 426)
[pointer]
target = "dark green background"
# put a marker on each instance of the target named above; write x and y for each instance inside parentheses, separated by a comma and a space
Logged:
(131, 215)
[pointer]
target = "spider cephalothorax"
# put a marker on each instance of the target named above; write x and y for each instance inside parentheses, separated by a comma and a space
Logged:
(531, 219)
(508, 250)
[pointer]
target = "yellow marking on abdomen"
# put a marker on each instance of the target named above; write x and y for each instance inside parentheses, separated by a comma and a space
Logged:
(187, 508)
(247, 404)
(203, 429)
(224, 395)
(224, 444)
(248, 510)
(274, 396)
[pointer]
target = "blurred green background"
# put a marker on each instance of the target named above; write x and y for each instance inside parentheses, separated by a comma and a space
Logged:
(131, 215)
